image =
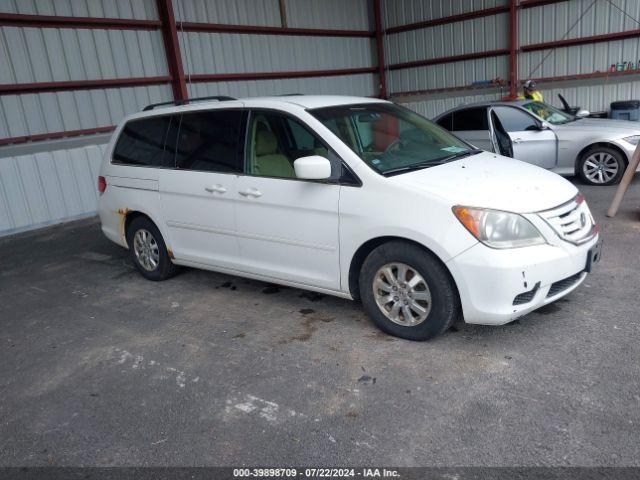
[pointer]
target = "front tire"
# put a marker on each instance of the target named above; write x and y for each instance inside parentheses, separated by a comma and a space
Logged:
(148, 250)
(601, 166)
(407, 292)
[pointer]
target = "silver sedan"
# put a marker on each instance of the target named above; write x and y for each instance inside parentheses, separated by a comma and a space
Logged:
(596, 149)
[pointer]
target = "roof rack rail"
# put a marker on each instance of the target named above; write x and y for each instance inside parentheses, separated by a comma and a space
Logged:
(289, 94)
(220, 98)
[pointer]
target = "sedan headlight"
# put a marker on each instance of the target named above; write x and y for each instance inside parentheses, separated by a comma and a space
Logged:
(499, 229)
(633, 139)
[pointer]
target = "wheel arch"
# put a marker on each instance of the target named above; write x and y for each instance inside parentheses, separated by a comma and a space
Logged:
(358, 258)
(129, 216)
(610, 145)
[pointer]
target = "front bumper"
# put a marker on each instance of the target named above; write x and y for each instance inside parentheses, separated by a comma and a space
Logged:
(490, 280)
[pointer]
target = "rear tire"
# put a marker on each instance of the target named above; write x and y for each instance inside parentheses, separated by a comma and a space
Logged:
(407, 292)
(601, 166)
(148, 250)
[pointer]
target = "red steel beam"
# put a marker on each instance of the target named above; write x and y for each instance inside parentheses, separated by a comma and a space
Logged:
(40, 87)
(55, 135)
(450, 19)
(223, 77)
(468, 16)
(470, 88)
(172, 49)
(584, 76)
(452, 58)
(263, 30)
(52, 21)
(428, 91)
(513, 48)
(380, 48)
(607, 37)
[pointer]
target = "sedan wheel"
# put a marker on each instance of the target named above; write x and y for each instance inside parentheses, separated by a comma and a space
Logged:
(600, 167)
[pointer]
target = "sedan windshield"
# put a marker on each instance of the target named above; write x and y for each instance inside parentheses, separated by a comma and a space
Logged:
(549, 113)
(392, 139)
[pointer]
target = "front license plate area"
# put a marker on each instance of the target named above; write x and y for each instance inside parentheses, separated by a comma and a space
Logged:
(593, 256)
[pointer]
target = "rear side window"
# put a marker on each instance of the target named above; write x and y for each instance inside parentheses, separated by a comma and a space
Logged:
(208, 141)
(141, 143)
(446, 122)
(470, 119)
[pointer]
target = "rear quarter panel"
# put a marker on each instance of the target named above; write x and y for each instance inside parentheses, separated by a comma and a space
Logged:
(129, 189)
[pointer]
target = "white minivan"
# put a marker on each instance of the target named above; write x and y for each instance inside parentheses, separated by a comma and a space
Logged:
(354, 197)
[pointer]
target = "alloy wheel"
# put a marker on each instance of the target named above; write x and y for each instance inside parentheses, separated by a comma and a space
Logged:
(146, 249)
(600, 167)
(402, 294)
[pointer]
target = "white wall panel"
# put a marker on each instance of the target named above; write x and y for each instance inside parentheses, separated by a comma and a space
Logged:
(402, 12)
(48, 187)
(31, 114)
(601, 18)
(578, 59)
(138, 9)
(364, 85)
(224, 53)
(456, 74)
(231, 12)
(51, 54)
(470, 36)
(338, 14)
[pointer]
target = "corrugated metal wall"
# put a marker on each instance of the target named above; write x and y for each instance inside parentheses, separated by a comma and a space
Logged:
(250, 53)
(60, 54)
(48, 187)
(403, 12)
(574, 19)
(138, 9)
(30, 55)
(362, 85)
(536, 25)
(56, 184)
(470, 36)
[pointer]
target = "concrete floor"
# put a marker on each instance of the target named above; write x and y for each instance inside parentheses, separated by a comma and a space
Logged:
(101, 367)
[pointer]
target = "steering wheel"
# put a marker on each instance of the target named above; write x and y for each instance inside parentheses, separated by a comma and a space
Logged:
(393, 146)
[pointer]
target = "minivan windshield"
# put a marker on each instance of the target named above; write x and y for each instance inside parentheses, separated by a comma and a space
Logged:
(392, 139)
(549, 113)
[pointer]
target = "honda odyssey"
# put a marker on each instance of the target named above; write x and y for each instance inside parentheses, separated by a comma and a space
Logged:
(347, 196)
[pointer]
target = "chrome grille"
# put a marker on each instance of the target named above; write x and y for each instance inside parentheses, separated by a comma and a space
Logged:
(572, 221)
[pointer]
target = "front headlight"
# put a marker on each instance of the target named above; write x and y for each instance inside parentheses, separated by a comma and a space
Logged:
(633, 139)
(498, 229)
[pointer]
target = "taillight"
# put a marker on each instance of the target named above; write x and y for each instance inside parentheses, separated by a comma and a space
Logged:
(102, 184)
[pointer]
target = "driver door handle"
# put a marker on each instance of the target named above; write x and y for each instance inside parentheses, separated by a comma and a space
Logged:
(216, 189)
(251, 192)
(517, 140)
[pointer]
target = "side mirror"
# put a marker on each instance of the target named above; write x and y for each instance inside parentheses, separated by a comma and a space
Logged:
(582, 113)
(313, 167)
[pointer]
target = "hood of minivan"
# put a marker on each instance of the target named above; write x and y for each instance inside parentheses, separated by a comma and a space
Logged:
(488, 180)
(603, 126)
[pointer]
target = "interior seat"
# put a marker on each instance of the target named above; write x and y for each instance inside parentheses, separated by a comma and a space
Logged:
(268, 159)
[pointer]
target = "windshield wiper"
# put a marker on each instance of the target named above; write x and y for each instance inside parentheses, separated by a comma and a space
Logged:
(459, 155)
(431, 163)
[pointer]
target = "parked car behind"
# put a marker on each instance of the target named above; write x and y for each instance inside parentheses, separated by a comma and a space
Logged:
(353, 197)
(598, 150)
